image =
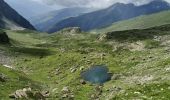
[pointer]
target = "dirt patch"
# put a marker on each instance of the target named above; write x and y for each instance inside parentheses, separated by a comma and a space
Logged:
(137, 46)
(139, 79)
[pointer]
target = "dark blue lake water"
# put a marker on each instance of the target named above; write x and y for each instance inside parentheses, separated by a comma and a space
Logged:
(97, 74)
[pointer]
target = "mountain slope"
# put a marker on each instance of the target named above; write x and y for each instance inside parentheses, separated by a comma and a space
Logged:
(140, 22)
(15, 80)
(23, 7)
(116, 12)
(9, 18)
(45, 21)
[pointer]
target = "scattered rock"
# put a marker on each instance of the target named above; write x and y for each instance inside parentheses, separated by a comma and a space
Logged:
(162, 89)
(65, 90)
(7, 66)
(55, 90)
(73, 70)
(137, 93)
(103, 54)
(3, 77)
(150, 57)
(94, 97)
(66, 93)
(46, 93)
(168, 88)
(72, 96)
(81, 68)
(102, 37)
(88, 62)
(82, 81)
(117, 89)
(57, 71)
(157, 38)
(98, 90)
(22, 93)
(65, 96)
(138, 46)
(39, 96)
(62, 50)
(167, 69)
(115, 77)
(71, 30)
(27, 93)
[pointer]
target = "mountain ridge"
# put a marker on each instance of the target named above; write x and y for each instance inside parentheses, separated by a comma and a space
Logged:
(45, 21)
(140, 22)
(114, 13)
(11, 19)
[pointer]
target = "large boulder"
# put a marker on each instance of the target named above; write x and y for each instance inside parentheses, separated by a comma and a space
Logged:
(4, 37)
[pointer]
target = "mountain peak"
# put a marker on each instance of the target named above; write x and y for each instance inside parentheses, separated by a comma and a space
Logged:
(118, 5)
(159, 2)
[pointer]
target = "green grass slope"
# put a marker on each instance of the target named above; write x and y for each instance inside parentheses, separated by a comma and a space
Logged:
(14, 80)
(140, 22)
(139, 63)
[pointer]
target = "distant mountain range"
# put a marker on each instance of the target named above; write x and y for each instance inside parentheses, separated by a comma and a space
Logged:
(141, 22)
(10, 19)
(44, 22)
(108, 16)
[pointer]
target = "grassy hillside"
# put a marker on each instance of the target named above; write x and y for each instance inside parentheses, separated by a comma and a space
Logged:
(14, 80)
(139, 63)
(140, 22)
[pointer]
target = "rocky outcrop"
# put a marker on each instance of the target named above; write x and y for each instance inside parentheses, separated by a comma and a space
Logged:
(4, 38)
(71, 30)
(27, 93)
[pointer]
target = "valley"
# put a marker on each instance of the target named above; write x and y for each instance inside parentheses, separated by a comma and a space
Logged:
(139, 63)
(84, 50)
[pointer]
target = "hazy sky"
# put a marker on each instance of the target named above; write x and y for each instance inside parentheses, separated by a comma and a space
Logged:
(29, 8)
(91, 3)
(58, 4)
